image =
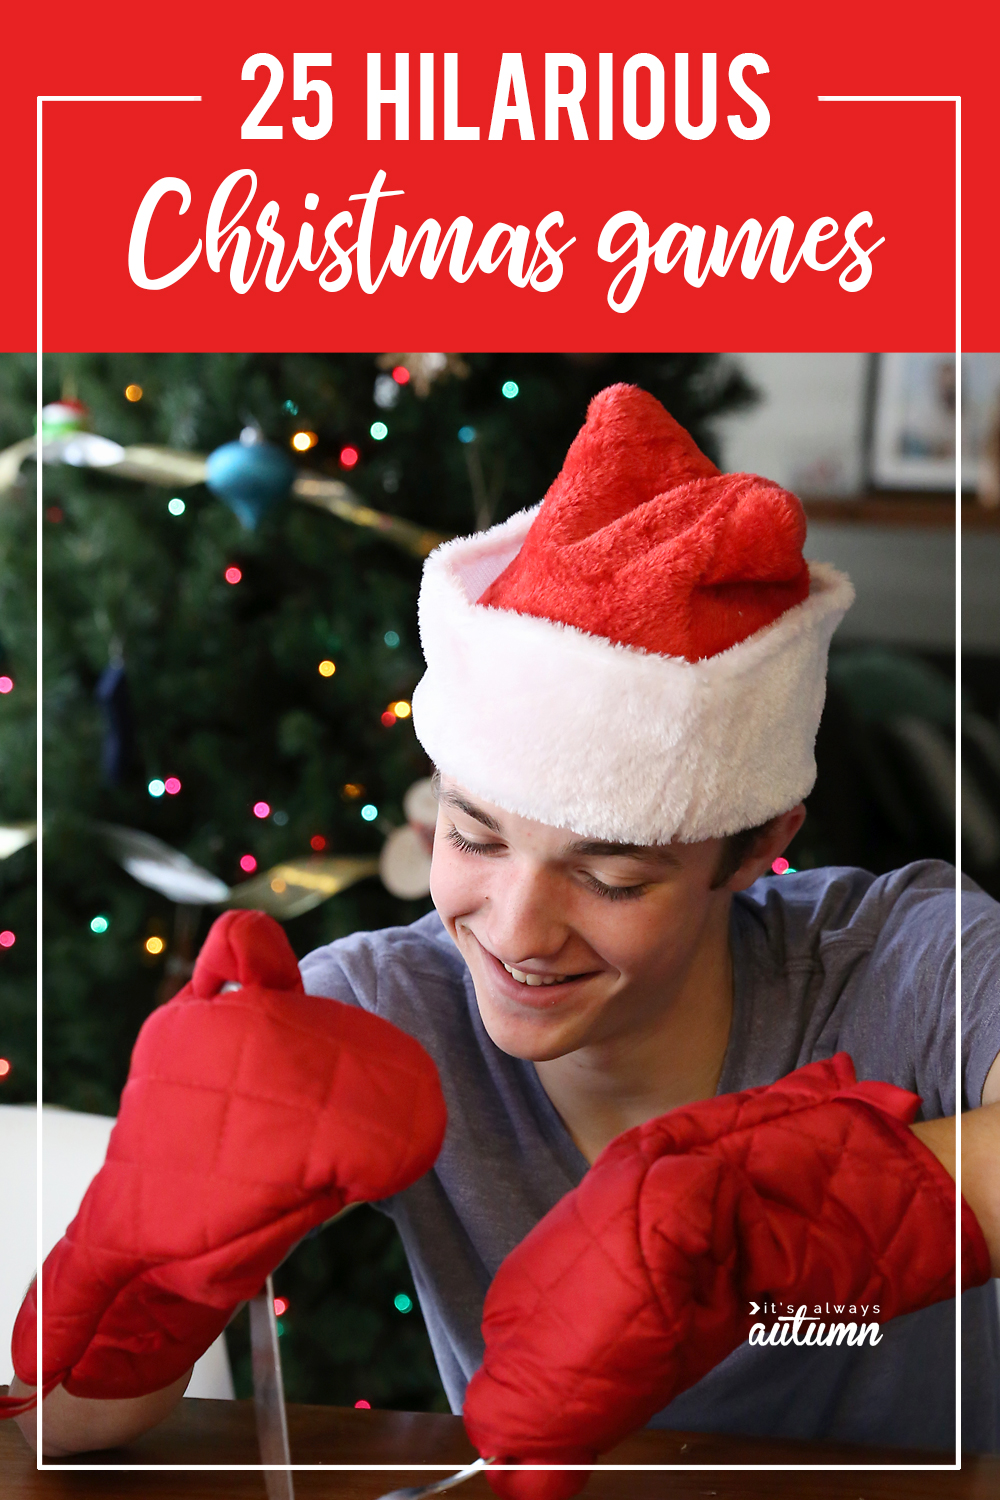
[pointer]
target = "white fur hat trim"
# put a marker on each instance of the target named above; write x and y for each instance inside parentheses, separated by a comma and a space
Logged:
(609, 741)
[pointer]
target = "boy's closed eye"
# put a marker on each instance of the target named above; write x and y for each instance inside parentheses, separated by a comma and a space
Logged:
(611, 891)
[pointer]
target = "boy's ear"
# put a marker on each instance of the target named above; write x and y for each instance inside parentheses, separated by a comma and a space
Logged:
(765, 850)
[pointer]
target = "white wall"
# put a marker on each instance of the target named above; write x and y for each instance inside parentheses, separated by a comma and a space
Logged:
(981, 591)
(806, 431)
(904, 579)
(807, 434)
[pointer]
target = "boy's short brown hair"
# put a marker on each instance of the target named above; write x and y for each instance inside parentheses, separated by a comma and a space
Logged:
(735, 850)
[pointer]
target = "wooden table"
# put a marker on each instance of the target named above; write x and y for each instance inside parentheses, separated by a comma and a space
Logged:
(222, 1432)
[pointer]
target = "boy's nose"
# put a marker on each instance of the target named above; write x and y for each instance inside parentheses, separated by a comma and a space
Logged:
(526, 923)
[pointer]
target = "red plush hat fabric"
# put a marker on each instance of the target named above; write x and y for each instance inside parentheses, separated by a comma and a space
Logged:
(643, 541)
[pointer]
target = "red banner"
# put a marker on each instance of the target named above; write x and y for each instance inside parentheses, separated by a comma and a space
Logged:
(769, 177)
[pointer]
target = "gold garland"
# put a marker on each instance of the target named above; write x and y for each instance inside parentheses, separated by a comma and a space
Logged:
(169, 467)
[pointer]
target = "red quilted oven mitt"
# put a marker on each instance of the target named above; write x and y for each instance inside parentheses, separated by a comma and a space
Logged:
(251, 1114)
(639, 1282)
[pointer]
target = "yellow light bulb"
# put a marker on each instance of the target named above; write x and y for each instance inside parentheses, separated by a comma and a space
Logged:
(155, 945)
(327, 668)
(133, 393)
(401, 709)
(303, 441)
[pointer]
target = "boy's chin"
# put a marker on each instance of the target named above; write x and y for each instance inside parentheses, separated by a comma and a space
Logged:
(534, 1039)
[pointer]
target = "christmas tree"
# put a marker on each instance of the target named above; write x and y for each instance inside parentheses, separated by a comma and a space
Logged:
(189, 696)
(17, 745)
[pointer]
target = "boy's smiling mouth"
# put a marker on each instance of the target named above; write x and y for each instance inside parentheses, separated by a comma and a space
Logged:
(523, 977)
(524, 985)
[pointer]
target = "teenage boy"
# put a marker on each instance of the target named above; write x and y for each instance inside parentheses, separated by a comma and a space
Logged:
(621, 697)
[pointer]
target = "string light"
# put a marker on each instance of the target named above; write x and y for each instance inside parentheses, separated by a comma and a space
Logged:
(364, 1405)
(402, 709)
(262, 809)
(7, 938)
(402, 1303)
(4, 1067)
(369, 812)
(352, 790)
(466, 434)
(133, 393)
(176, 506)
(349, 456)
(233, 575)
(303, 441)
(280, 1327)
(401, 375)
(280, 1306)
(391, 639)
(327, 668)
(156, 787)
(279, 886)
(379, 431)
(6, 684)
(317, 842)
(54, 513)
(154, 945)
(291, 408)
(172, 786)
(386, 392)
(510, 389)
(781, 866)
(99, 924)
(281, 818)
(247, 864)
(388, 718)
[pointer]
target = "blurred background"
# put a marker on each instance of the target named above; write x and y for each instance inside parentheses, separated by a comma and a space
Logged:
(228, 669)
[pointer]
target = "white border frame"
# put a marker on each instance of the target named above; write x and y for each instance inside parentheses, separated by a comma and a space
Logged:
(956, 100)
(41, 101)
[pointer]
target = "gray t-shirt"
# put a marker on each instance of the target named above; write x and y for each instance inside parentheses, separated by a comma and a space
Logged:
(825, 961)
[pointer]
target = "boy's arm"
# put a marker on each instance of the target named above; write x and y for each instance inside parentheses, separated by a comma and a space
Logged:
(73, 1424)
(980, 1158)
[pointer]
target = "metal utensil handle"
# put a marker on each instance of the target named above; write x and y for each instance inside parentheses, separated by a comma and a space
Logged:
(460, 1477)
(417, 1492)
(269, 1395)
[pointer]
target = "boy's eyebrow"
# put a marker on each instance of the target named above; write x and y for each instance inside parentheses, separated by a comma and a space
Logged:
(455, 799)
(652, 853)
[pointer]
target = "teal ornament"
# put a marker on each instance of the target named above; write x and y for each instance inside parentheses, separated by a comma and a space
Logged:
(251, 478)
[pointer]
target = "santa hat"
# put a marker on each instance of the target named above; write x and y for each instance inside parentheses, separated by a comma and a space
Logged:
(642, 656)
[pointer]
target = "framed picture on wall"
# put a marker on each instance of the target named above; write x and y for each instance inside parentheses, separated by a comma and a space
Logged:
(913, 420)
